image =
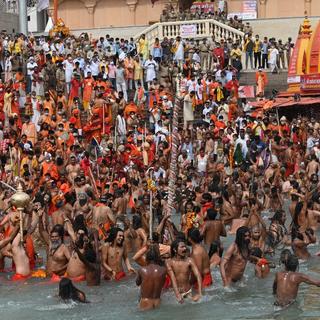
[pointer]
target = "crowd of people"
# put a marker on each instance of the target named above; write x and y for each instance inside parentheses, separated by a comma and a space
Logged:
(86, 129)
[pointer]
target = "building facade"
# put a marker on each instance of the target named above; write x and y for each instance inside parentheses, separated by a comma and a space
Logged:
(90, 14)
(278, 8)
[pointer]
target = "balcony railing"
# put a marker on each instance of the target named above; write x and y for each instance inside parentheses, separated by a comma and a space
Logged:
(204, 29)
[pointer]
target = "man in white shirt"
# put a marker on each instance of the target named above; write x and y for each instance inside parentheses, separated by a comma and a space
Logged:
(30, 69)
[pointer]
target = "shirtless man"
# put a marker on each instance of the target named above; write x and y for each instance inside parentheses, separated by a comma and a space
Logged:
(235, 259)
(300, 242)
(180, 268)
(58, 254)
(102, 214)
(19, 255)
(76, 269)
(73, 169)
(313, 166)
(83, 206)
(286, 283)
(312, 217)
(212, 229)
(60, 214)
(200, 257)
(120, 203)
(113, 253)
(257, 239)
(151, 279)
(139, 235)
(91, 259)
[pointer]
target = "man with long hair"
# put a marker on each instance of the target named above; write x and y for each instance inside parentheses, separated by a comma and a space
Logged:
(113, 253)
(235, 259)
(180, 269)
(151, 279)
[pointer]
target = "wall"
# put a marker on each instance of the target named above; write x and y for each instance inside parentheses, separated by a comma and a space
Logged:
(107, 13)
(9, 22)
(279, 8)
(280, 28)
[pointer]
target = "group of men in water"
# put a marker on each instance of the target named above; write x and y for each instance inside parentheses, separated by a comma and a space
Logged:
(97, 165)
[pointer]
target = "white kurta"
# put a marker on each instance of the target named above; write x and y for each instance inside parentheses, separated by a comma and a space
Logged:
(36, 114)
(68, 70)
(151, 68)
(179, 55)
(187, 110)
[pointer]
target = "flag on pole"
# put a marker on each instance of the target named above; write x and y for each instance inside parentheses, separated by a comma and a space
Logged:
(42, 5)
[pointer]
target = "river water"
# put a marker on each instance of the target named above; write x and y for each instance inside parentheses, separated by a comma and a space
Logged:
(251, 299)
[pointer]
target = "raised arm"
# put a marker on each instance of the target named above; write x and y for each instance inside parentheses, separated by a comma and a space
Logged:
(227, 256)
(306, 279)
(6, 241)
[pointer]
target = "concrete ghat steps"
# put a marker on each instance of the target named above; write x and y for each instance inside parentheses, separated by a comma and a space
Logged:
(275, 81)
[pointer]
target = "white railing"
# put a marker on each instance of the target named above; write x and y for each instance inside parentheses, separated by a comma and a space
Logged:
(204, 29)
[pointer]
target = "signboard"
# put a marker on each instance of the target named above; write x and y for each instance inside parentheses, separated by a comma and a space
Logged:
(249, 9)
(203, 7)
(310, 83)
(293, 79)
(188, 30)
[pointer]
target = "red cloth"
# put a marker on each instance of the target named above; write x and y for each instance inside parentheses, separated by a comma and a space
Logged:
(30, 251)
(19, 277)
(167, 283)
(55, 278)
(120, 275)
(77, 279)
(206, 281)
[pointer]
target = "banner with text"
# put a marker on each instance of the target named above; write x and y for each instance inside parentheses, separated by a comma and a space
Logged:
(188, 30)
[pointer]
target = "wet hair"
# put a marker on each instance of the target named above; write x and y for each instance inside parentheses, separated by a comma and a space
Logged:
(215, 247)
(68, 291)
(256, 252)
(292, 263)
(194, 235)
(211, 214)
(174, 246)
(79, 224)
(240, 241)
(153, 255)
(295, 234)
(156, 237)
(181, 236)
(113, 234)
(59, 229)
(90, 254)
(136, 222)
(207, 196)
(297, 211)
(284, 255)
(277, 216)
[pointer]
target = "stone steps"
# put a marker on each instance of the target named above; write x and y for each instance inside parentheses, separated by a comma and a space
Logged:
(275, 81)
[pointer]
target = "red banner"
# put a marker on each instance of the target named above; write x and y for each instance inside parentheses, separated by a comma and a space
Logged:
(310, 83)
